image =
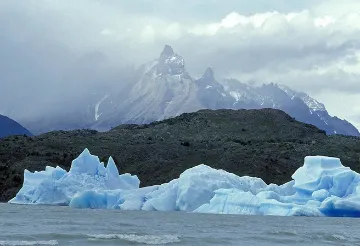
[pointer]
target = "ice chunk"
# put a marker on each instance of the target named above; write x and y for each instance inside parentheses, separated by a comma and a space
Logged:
(233, 201)
(320, 195)
(114, 182)
(112, 199)
(195, 187)
(55, 186)
(317, 173)
(323, 186)
(86, 164)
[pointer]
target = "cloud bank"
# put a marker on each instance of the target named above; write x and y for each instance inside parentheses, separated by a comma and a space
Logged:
(55, 49)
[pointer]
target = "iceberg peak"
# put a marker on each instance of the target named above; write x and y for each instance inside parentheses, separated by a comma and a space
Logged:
(111, 168)
(85, 164)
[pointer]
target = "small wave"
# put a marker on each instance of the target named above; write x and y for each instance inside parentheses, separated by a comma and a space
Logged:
(333, 237)
(151, 240)
(26, 243)
(283, 233)
(338, 237)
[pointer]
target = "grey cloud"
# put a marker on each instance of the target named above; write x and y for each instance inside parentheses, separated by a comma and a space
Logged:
(269, 57)
(263, 54)
(41, 68)
(53, 49)
(184, 10)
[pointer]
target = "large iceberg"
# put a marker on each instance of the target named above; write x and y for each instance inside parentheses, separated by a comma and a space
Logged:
(193, 188)
(55, 186)
(321, 187)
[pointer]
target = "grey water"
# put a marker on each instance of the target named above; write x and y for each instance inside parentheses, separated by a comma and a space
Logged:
(50, 225)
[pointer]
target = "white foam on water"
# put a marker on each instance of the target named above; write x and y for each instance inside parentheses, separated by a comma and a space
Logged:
(338, 237)
(26, 243)
(148, 239)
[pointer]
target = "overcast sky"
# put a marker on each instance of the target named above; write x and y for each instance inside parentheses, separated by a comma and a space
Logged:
(53, 47)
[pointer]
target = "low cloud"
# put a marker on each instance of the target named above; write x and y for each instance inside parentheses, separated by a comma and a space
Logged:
(55, 49)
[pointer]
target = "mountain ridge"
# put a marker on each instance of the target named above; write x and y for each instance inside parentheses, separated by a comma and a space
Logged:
(213, 94)
(10, 127)
(163, 88)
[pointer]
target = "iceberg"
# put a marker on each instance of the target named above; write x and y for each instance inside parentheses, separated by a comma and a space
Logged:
(55, 186)
(195, 187)
(321, 187)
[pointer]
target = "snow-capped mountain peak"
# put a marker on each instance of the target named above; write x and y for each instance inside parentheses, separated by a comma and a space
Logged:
(287, 90)
(163, 88)
(313, 104)
(170, 63)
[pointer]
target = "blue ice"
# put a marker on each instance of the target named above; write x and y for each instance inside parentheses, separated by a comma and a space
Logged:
(321, 187)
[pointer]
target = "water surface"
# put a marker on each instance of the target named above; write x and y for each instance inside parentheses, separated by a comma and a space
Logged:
(46, 225)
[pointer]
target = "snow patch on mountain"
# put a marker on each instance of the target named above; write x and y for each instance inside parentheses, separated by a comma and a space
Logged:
(313, 104)
(97, 115)
(163, 90)
(170, 63)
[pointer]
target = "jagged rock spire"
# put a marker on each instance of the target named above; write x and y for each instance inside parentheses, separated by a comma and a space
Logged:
(209, 74)
(170, 63)
(167, 51)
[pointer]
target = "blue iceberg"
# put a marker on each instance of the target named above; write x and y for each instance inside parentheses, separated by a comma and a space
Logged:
(321, 187)
(55, 186)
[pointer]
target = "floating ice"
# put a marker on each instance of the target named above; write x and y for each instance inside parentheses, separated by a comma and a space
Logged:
(322, 187)
(55, 186)
(195, 187)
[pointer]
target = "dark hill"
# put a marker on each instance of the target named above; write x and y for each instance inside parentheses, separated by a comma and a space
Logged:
(10, 127)
(264, 143)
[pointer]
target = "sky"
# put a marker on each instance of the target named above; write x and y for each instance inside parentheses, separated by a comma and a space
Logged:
(56, 49)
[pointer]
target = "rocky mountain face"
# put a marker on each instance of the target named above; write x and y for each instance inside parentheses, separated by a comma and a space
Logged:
(10, 127)
(297, 104)
(163, 89)
(264, 143)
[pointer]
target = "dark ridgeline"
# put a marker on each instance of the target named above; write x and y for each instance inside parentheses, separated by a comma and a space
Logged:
(265, 143)
(10, 127)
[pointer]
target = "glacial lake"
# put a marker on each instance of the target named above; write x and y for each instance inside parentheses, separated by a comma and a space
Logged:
(50, 225)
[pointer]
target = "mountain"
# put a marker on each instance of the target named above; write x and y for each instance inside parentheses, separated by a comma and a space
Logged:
(211, 93)
(163, 89)
(10, 127)
(297, 104)
(264, 143)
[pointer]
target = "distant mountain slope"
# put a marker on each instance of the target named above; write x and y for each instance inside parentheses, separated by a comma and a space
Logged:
(10, 127)
(297, 104)
(163, 89)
